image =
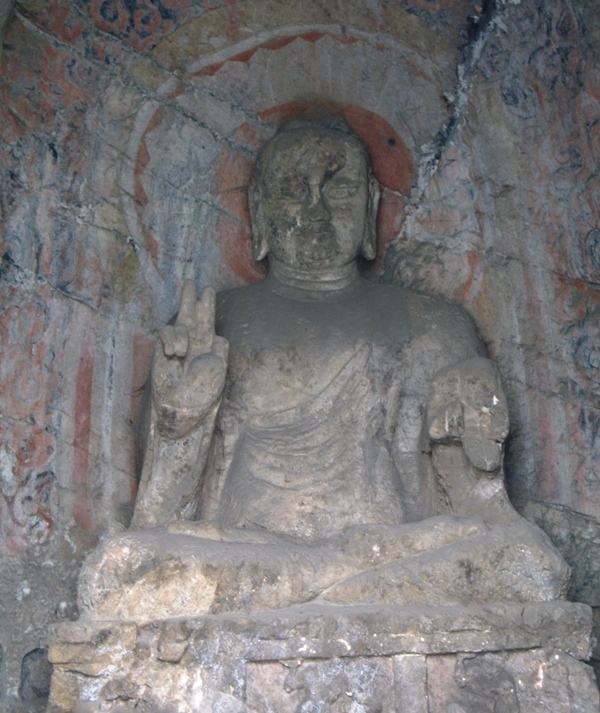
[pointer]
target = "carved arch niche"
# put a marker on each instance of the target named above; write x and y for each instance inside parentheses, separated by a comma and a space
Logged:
(226, 81)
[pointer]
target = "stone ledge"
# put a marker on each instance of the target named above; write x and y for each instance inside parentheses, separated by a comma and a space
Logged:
(265, 661)
(317, 631)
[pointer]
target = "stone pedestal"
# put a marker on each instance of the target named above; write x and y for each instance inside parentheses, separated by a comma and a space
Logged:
(332, 659)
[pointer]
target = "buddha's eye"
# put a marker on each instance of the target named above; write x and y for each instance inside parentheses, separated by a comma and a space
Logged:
(339, 188)
(290, 188)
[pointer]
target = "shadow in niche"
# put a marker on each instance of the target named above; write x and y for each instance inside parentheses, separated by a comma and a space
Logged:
(36, 672)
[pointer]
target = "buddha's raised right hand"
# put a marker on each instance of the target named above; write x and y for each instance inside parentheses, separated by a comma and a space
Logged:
(190, 364)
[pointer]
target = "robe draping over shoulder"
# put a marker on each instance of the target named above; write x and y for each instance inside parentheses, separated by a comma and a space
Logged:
(312, 470)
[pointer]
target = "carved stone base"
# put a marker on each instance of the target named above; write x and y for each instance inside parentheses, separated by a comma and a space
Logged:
(328, 659)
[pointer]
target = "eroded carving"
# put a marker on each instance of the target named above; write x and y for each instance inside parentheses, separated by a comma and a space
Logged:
(322, 437)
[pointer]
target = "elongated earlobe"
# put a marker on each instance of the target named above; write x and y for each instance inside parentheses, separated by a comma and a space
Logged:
(369, 245)
(260, 246)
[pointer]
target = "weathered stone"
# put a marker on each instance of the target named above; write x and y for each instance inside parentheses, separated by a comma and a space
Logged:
(410, 683)
(515, 682)
(93, 647)
(100, 228)
(315, 653)
(577, 537)
(326, 630)
(280, 435)
(335, 685)
(266, 420)
(6, 10)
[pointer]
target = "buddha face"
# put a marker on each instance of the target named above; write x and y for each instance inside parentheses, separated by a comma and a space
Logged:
(315, 199)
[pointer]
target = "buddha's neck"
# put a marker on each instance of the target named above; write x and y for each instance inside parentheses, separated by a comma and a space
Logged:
(331, 280)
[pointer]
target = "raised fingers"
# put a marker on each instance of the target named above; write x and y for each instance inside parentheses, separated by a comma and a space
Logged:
(175, 340)
(187, 310)
(203, 333)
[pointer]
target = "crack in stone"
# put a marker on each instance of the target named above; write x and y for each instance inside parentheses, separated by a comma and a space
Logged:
(489, 21)
(589, 519)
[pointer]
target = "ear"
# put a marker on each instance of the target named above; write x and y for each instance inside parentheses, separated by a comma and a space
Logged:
(260, 246)
(369, 245)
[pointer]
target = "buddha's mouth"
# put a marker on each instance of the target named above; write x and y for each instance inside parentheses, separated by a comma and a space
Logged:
(317, 246)
(316, 237)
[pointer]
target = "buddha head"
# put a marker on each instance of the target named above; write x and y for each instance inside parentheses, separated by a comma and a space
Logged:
(313, 197)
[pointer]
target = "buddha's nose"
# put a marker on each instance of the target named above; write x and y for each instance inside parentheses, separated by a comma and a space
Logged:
(317, 209)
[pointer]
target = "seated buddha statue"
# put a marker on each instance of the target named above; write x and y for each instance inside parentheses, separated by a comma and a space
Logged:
(319, 437)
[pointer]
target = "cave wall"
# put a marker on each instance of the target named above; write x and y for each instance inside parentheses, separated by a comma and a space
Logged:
(128, 129)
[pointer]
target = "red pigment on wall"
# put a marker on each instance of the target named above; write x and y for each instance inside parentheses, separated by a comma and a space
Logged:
(45, 68)
(274, 44)
(548, 478)
(142, 159)
(574, 298)
(232, 175)
(461, 293)
(389, 220)
(57, 18)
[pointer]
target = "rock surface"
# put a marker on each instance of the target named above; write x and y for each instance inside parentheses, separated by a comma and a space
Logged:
(502, 219)
(322, 655)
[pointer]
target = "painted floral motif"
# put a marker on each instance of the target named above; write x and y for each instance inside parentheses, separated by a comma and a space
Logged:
(142, 23)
